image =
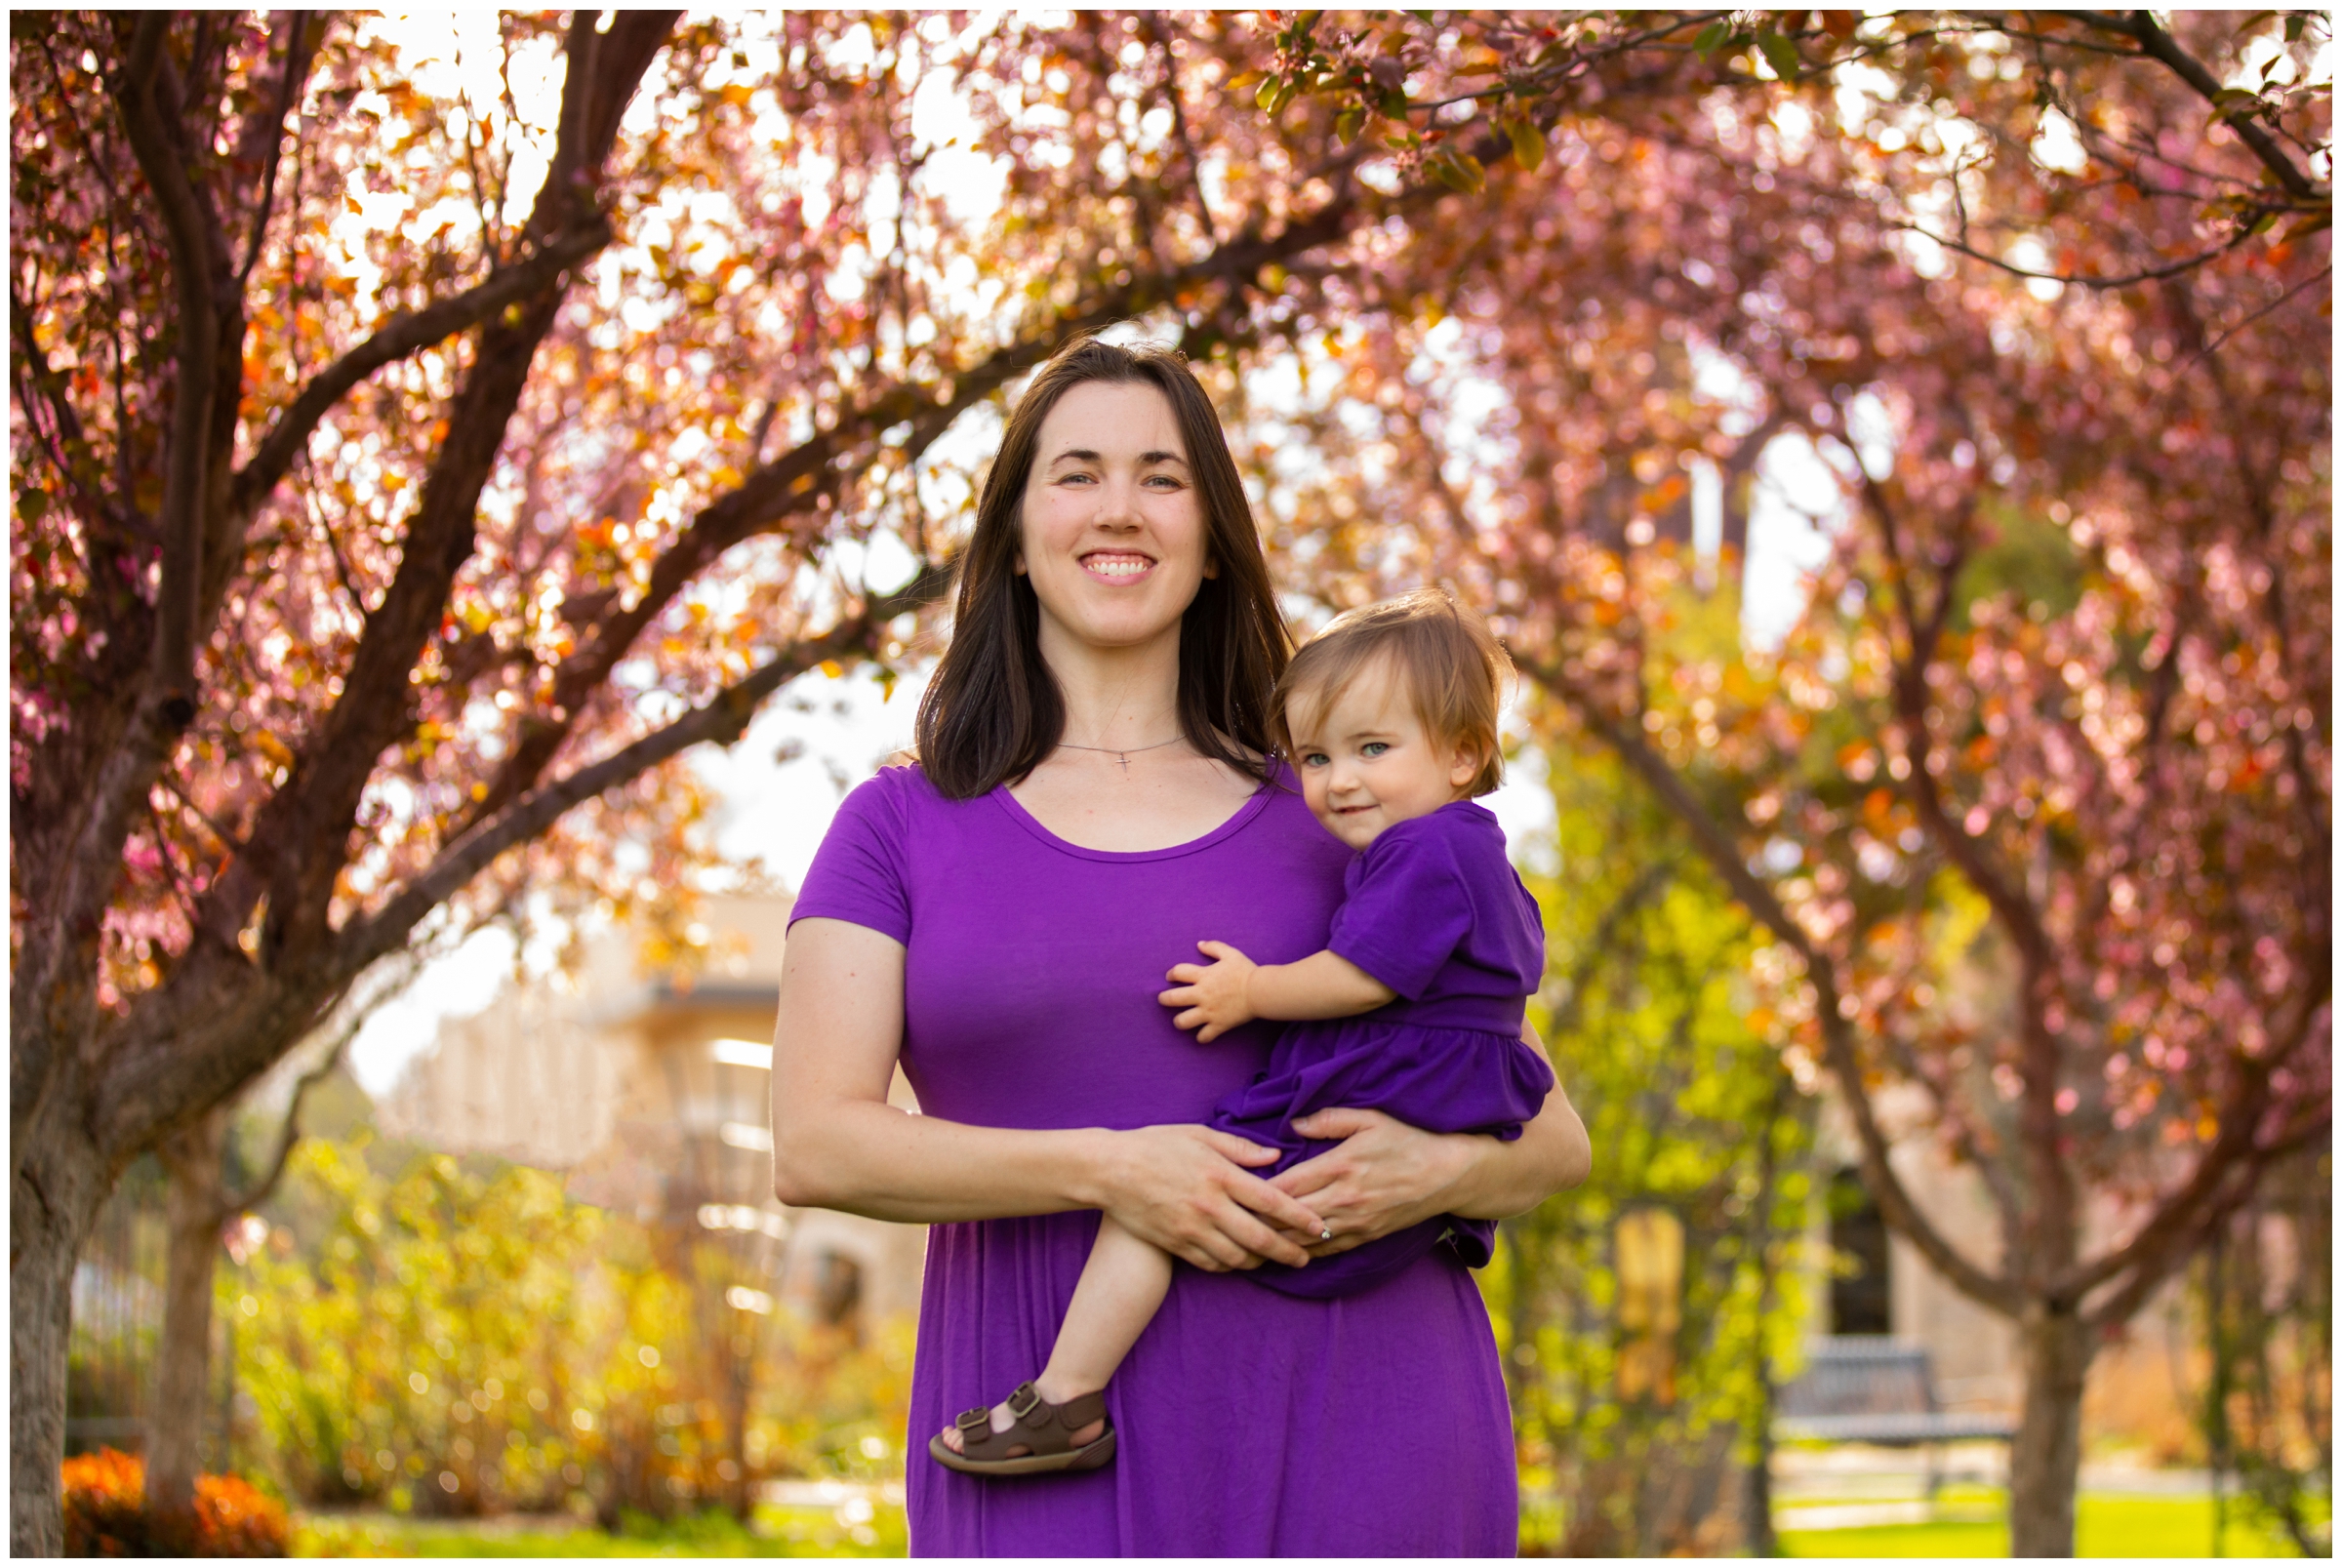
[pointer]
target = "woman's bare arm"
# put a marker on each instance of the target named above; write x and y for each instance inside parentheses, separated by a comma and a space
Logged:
(1386, 1174)
(838, 1145)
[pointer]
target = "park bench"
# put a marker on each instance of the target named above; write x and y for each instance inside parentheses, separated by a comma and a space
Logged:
(1868, 1388)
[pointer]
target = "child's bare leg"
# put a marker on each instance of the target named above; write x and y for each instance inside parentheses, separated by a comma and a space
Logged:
(1119, 1291)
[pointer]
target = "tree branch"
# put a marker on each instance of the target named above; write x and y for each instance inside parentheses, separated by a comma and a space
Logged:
(723, 718)
(404, 334)
(192, 231)
(253, 1196)
(2235, 1144)
(301, 46)
(1845, 1064)
(2180, 1244)
(2159, 45)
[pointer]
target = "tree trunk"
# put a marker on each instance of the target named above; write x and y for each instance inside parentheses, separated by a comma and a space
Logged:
(193, 1210)
(62, 1182)
(2045, 1465)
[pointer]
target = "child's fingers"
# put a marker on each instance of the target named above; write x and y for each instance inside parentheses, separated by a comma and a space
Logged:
(1188, 973)
(1211, 1032)
(1189, 1018)
(1217, 949)
(1178, 997)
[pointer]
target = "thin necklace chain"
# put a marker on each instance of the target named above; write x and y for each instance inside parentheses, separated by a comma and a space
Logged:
(1119, 754)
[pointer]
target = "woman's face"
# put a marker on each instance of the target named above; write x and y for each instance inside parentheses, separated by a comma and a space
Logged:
(1113, 537)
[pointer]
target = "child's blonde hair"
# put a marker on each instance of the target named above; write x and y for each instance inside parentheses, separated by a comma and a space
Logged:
(1454, 669)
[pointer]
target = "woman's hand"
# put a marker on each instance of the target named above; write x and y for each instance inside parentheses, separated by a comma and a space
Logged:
(1187, 1190)
(1384, 1176)
(1216, 995)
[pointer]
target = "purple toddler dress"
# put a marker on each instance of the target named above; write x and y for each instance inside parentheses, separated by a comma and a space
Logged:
(1251, 1421)
(1433, 910)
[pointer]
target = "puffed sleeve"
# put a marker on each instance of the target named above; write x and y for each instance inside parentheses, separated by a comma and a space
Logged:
(859, 874)
(1407, 908)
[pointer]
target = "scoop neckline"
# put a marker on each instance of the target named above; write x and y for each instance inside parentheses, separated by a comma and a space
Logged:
(1253, 805)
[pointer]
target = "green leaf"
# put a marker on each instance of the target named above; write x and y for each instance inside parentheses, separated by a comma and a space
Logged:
(2306, 227)
(1528, 145)
(1781, 55)
(1244, 79)
(32, 506)
(1458, 171)
(1393, 105)
(2293, 26)
(1712, 37)
(1266, 98)
(1347, 124)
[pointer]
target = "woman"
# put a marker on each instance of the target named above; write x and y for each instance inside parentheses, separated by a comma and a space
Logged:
(1095, 795)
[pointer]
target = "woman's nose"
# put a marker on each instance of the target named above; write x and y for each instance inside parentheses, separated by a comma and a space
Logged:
(1117, 505)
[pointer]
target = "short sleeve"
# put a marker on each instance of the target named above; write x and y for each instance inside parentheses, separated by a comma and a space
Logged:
(859, 874)
(1407, 909)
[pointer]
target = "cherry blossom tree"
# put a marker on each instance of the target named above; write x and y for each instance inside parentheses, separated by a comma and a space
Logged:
(2057, 718)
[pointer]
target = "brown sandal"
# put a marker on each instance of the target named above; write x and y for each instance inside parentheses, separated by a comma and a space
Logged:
(1043, 1429)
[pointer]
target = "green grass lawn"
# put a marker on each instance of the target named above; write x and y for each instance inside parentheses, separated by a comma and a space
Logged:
(2108, 1526)
(2104, 1526)
(775, 1532)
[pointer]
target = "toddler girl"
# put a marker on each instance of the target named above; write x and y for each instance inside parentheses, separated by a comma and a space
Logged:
(1414, 1007)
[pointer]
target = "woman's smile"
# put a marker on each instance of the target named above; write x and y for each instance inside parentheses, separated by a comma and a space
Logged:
(1118, 566)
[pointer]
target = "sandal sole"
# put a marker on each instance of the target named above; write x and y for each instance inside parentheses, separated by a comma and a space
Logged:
(1094, 1454)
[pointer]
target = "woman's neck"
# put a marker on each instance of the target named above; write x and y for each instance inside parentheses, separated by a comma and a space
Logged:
(1117, 699)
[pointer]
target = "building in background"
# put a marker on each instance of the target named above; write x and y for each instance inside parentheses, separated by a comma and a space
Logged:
(649, 1088)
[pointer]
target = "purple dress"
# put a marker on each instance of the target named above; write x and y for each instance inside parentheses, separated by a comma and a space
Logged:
(1433, 910)
(1251, 1422)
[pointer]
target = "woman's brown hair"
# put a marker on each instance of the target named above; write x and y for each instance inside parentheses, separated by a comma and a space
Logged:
(993, 711)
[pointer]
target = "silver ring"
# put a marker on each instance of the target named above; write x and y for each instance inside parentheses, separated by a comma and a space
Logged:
(1327, 1234)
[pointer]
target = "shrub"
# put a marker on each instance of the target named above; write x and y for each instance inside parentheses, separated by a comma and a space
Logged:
(105, 1501)
(106, 1511)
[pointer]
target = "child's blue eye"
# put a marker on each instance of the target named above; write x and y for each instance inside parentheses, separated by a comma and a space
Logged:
(1375, 748)
(1314, 760)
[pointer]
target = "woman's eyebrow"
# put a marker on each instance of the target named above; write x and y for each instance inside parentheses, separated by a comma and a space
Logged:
(1146, 458)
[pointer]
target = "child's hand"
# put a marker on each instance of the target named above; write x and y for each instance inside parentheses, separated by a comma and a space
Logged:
(1213, 994)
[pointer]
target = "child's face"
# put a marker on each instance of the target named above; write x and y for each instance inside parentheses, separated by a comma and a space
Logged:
(1366, 761)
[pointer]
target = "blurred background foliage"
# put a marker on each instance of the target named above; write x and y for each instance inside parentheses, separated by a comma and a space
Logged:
(1646, 1319)
(456, 1338)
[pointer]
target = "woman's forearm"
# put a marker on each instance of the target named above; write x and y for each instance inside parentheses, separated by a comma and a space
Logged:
(878, 1160)
(1500, 1180)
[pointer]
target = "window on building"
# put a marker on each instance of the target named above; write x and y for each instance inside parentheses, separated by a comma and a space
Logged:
(1859, 1301)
